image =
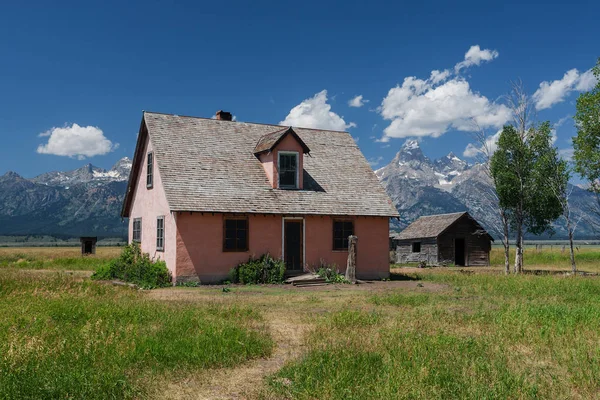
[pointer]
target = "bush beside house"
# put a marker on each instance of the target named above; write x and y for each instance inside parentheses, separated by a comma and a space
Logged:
(135, 267)
(265, 269)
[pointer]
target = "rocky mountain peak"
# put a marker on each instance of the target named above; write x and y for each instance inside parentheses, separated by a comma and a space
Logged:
(87, 174)
(123, 167)
(11, 175)
(410, 151)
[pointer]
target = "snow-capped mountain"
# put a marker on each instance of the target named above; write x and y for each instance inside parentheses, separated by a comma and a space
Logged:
(87, 174)
(410, 163)
(421, 186)
(85, 201)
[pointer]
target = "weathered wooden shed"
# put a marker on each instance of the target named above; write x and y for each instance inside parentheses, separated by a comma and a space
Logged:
(444, 239)
(88, 244)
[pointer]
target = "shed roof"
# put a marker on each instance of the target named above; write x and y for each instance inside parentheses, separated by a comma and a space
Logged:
(209, 165)
(431, 226)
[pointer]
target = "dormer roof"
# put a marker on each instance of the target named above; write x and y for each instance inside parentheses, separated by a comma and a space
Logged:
(269, 141)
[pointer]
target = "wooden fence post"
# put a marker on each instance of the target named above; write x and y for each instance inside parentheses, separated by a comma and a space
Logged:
(351, 265)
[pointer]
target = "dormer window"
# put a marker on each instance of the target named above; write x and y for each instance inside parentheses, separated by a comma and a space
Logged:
(288, 170)
(282, 156)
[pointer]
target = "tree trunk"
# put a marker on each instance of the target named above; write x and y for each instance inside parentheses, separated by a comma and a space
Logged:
(570, 231)
(351, 265)
(505, 242)
(519, 247)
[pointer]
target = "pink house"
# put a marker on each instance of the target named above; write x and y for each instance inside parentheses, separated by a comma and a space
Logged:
(206, 194)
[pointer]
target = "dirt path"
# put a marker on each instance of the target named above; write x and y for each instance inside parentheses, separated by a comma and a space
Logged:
(246, 381)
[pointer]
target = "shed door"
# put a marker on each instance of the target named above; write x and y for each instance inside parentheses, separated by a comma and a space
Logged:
(459, 251)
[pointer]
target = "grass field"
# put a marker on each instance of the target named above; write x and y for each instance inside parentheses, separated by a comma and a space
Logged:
(430, 333)
(60, 258)
(586, 258)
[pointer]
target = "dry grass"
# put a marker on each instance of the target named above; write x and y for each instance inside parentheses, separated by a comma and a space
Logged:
(53, 253)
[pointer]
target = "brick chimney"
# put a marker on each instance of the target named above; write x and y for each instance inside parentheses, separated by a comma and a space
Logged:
(223, 115)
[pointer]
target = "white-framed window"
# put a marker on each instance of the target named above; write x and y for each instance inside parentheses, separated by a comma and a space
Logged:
(137, 230)
(288, 165)
(160, 233)
(150, 170)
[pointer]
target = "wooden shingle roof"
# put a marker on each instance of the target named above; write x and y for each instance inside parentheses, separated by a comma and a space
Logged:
(208, 165)
(429, 226)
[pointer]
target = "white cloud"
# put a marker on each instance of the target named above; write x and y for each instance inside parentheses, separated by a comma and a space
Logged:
(474, 56)
(586, 82)
(316, 113)
(551, 93)
(471, 151)
(491, 145)
(437, 76)
(424, 108)
(566, 154)
(373, 162)
(76, 141)
(440, 103)
(357, 101)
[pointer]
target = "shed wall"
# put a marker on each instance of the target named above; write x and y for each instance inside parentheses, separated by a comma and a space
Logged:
(428, 253)
(477, 247)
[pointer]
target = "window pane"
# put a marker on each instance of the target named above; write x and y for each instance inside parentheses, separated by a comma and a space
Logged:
(149, 170)
(287, 170)
(230, 233)
(230, 224)
(241, 224)
(348, 227)
(241, 243)
(230, 244)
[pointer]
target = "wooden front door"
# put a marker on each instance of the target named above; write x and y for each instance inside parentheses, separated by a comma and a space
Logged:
(293, 243)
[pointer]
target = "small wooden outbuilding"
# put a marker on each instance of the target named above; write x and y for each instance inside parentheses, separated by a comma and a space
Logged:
(88, 244)
(444, 239)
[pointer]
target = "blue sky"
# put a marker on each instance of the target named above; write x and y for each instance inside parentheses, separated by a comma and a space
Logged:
(79, 74)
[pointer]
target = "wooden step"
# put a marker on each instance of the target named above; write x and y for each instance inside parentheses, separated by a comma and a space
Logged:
(310, 285)
(309, 282)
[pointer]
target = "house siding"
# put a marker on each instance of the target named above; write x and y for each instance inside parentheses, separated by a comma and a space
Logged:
(148, 204)
(200, 252)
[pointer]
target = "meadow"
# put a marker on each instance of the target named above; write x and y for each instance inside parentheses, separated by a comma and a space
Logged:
(428, 333)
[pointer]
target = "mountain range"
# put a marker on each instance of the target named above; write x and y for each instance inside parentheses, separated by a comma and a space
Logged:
(421, 186)
(87, 201)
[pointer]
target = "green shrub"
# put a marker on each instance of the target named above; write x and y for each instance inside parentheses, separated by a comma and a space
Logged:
(135, 267)
(265, 269)
(331, 274)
